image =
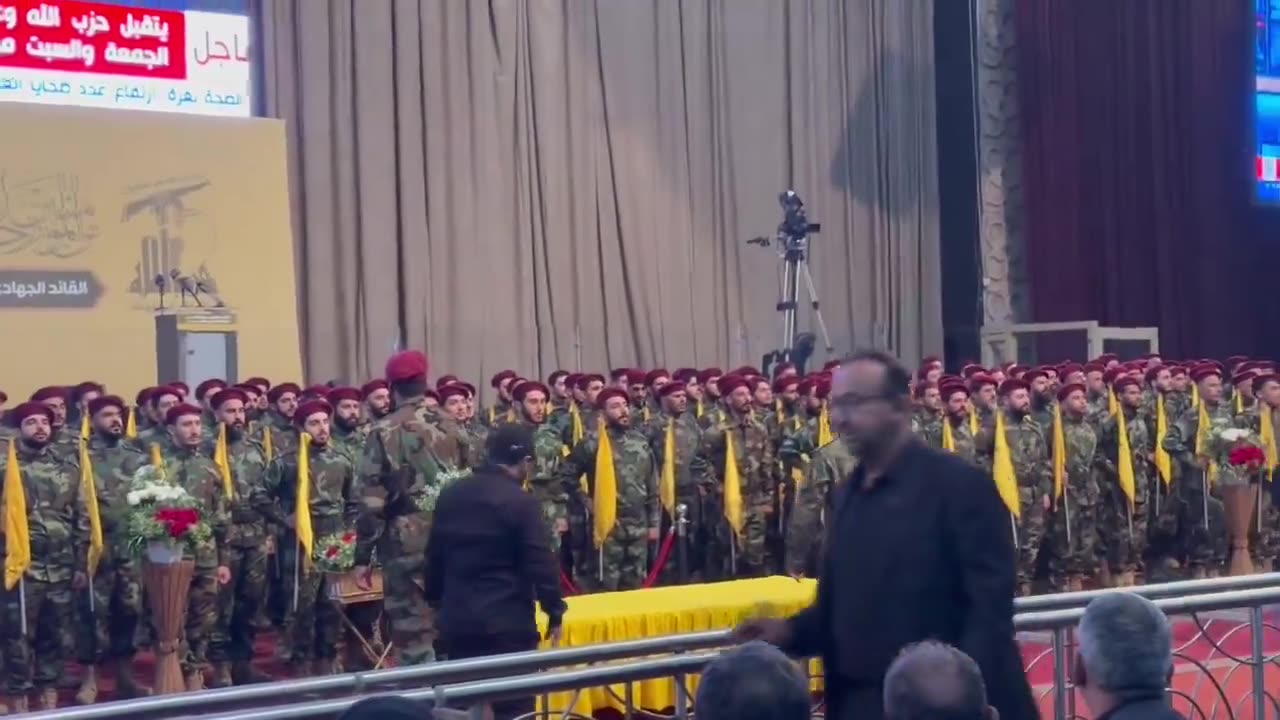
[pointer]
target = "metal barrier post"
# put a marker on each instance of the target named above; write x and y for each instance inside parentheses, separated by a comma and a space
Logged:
(1259, 664)
(1059, 676)
(1070, 633)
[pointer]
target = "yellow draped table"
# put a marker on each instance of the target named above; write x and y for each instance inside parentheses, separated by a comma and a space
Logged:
(639, 614)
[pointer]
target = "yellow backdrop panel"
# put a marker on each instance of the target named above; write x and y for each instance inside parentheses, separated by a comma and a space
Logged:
(95, 204)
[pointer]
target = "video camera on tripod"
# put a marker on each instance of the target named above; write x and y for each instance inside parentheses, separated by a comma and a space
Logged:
(792, 241)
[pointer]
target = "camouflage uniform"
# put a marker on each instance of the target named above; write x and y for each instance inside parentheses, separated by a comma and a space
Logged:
(624, 557)
(284, 439)
(498, 413)
(1073, 530)
(314, 625)
(1035, 482)
(1203, 521)
(1124, 529)
(544, 483)
(348, 442)
(828, 466)
(960, 436)
(476, 436)
(65, 441)
(688, 492)
(1264, 537)
(107, 628)
(196, 472)
(59, 527)
(241, 598)
(758, 471)
(406, 457)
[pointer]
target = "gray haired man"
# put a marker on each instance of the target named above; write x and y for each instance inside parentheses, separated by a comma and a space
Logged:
(1125, 659)
(934, 681)
(753, 682)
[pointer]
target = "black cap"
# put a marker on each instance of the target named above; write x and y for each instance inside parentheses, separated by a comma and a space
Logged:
(510, 444)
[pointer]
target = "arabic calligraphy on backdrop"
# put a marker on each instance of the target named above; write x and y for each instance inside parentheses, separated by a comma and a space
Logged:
(60, 289)
(192, 62)
(94, 38)
(44, 216)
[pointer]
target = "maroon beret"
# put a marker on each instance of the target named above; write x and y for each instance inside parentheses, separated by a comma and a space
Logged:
(970, 370)
(313, 392)
(1094, 367)
(947, 389)
(406, 365)
(249, 389)
(654, 376)
(684, 375)
(1205, 371)
(1126, 381)
(102, 402)
(144, 396)
(339, 394)
(1241, 378)
(1153, 372)
(556, 375)
(524, 388)
(585, 380)
(429, 393)
(4, 396)
(1263, 379)
(1236, 360)
(85, 388)
(226, 395)
(977, 382)
(372, 387)
(28, 409)
(500, 377)
(1106, 358)
(636, 377)
(608, 394)
(179, 411)
(181, 387)
(50, 392)
(671, 388)
(1033, 375)
(617, 374)
(471, 389)
(1070, 368)
(279, 391)
(709, 374)
(161, 391)
(571, 379)
(1177, 370)
(781, 384)
(729, 383)
(452, 390)
(831, 365)
(1065, 391)
(258, 381)
(1109, 376)
(309, 408)
(208, 386)
(746, 371)
(783, 367)
(445, 380)
(1012, 384)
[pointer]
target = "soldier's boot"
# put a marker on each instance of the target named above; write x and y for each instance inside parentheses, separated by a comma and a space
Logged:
(242, 673)
(1075, 583)
(88, 692)
(221, 675)
(49, 699)
(195, 681)
(126, 684)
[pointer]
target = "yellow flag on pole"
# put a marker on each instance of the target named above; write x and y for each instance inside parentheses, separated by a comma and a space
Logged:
(948, 436)
(604, 501)
(1124, 460)
(1164, 463)
(667, 484)
(1002, 469)
(17, 533)
(131, 424)
(1203, 428)
(1268, 437)
(302, 506)
(1059, 453)
(89, 488)
(222, 458)
(732, 485)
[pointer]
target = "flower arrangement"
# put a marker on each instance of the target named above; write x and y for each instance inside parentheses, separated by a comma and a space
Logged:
(1247, 457)
(427, 497)
(336, 552)
(162, 513)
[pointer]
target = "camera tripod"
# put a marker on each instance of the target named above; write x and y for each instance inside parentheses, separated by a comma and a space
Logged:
(794, 271)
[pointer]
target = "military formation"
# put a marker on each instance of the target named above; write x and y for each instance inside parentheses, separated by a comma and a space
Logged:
(1103, 465)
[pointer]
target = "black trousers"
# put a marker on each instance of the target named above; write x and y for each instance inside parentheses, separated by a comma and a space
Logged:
(461, 647)
(848, 700)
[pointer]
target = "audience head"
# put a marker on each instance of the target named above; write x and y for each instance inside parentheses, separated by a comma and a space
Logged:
(753, 682)
(389, 707)
(933, 681)
(1125, 652)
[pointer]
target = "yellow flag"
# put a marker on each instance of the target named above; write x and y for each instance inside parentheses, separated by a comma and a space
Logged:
(1195, 394)
(824, 426)
(1113, 402)
(1239, 402)
(604, 501)
(16, 532)
(667, 487)
(732, 485)
(156, 460)
(89, 487)
(948, 437)
(511, 415)
(1164, 463)
(1203, 425)
(579, 430)
(1268, 436)
(645, 411)
(85, 428)
(267, 447)
(699, 407)
(777, 408)
(1059, 453)
(973, 420)
(493, 415)
(1124, 461)
(1002, 469)
(222, 458)
(302, 506)
(131, 424)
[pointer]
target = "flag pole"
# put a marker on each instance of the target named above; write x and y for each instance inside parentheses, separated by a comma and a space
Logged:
(297, 572)
(22, 604)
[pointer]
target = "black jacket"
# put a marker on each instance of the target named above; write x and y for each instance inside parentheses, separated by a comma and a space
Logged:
(925, 554)
(489, 556)
(1154, 708)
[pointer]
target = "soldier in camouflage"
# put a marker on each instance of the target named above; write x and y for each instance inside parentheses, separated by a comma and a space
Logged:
(107, 626)
(64, 440)
(231, 645)
(279, 433)
(674, 414)
(828, 466)
(187, 463)
(59, 533)
(204, 400)
(1042, 398)
(712, 412)
(1203, 522)
(345, 432)
(501, 410)
(1165, 506)
(376, 396)
(622, 561)
(550, 444)
(1265, 535)
(757, 465)
(1073, 531)
(407, 458)
(1124, 525)
(954, 396)
(314, 626)
(561, 396)
(161, 401)
(78, 406)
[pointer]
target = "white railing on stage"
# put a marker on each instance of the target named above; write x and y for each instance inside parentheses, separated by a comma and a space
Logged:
(1000, 342)
(462, 683)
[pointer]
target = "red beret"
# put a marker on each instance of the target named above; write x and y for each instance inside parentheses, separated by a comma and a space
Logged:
(1106, 358)
(372, 387)
(1032, 375)
(807, 385)
(144, 396)
(947, 389)
(920, 388)
(608, 394)
(617, 374)
(1203, 372)
(571, 379)
(979, 381)
(1153, 372)
(406, 365)
(684, 375)
(339, 394)
(445, 380)
(1012, 384)
(1065, 391)
(226, 395)
(258, 381)
(85, 388)
(654, 376)
(783, 367)
(781, 384)
(454, 390)
(208, 386)
(182, 388)
(500, 377)
(161, 391)
(746, 371)
(105, 401)
(316, 391)
(729, 383)
(179, 411)
(636, 377)
(279, 391)
(585, 380)
(831, 365)
(1070, 368)
(1126, 381)
(931, 361)
(823, 391)
(1241, 378)
(4, 396)
(1109, 376)
(1094, 367)
(468, 387)
(970, 370)
(249, 389)
(1256, 365)
(1236, 360)
(670, 388)
(1177, 370)
(51, 392)
(709, 374)
(429, 393)
(1263, 379)
(556, 375)
(28, 409)
(309, 408)
(524, 388)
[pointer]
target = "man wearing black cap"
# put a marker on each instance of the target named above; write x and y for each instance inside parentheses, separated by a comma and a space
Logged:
(489, 558)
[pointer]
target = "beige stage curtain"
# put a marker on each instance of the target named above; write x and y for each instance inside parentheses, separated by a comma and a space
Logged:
(542, 184)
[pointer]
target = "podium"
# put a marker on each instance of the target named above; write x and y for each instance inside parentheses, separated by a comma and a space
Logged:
(196, 344)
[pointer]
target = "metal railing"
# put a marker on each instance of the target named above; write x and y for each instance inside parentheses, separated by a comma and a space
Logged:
(528, 673)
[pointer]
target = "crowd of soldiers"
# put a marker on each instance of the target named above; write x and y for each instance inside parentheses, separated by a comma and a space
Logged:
(740, 466)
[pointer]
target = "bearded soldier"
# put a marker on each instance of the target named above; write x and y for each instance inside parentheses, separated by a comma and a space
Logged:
(64, 439)
(1073, 526)
(108, 624)
(1123, 524)
(951, 431)
(345, 435)
(675, 421)
(1203, 523)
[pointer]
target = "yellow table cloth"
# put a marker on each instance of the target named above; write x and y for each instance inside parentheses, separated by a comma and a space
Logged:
(638, 614)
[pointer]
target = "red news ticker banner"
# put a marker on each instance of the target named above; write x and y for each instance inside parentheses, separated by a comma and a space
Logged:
(82, 37)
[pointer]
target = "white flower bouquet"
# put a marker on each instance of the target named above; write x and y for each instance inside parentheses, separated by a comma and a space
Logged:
(426, 498)
(162, 516)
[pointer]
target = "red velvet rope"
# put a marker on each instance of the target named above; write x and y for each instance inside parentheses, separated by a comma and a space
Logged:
(567, 585)
(663, 556)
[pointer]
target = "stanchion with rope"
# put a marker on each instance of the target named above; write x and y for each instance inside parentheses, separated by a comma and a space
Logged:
(664, 556)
